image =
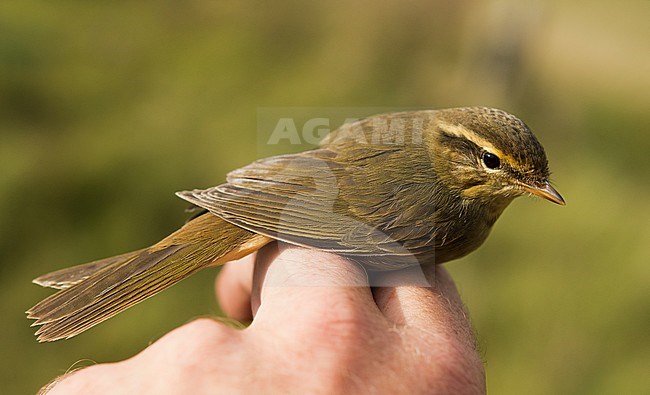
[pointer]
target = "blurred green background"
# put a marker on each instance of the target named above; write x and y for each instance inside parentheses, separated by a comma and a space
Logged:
(107, 108)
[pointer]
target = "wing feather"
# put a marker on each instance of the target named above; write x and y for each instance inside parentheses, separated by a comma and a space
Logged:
(333, 198)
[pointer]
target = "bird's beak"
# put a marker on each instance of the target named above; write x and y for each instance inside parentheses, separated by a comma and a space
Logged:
(547, 192)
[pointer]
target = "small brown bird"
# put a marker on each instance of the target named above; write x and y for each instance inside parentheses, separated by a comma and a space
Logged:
(388, 191)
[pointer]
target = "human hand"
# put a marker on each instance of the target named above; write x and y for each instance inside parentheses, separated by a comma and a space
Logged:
(317, 328)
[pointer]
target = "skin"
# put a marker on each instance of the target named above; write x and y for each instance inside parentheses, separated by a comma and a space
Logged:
(317, 328)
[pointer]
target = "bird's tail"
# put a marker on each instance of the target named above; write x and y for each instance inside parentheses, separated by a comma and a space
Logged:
(95, 291)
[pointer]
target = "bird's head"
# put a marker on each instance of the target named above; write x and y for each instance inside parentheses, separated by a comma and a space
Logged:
(489, 156)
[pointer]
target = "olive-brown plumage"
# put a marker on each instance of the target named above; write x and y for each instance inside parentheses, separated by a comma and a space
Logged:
(388, 191)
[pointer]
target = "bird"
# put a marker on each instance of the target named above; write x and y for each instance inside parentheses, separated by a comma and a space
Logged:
(389, 191)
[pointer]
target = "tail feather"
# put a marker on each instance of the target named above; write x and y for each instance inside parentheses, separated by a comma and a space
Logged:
(106, 305)
(131, 278)
(65, 278)
(96, 287)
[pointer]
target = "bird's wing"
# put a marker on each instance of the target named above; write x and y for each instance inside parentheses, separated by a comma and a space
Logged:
(321, 198)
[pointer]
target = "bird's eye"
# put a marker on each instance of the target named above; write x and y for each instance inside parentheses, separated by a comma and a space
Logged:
(490, 160)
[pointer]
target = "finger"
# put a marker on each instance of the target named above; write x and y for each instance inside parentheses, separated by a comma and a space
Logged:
(292, 283)
(434, 319)
(437, 308)
(233, 288)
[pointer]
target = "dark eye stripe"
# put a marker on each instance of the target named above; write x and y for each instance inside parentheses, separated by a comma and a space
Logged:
(461, 143)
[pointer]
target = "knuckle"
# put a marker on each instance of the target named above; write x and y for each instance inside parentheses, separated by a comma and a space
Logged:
(206, 329)
(192, 340)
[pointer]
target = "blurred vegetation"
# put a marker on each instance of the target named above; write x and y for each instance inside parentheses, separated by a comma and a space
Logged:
(106, 108)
